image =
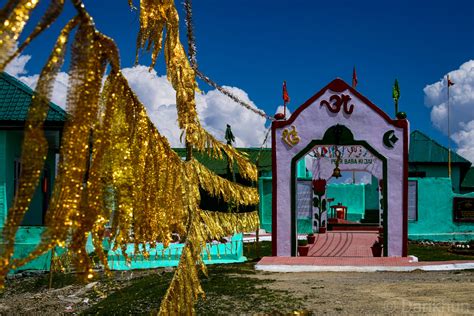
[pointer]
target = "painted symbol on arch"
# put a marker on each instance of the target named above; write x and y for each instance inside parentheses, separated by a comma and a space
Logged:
(389, 138)
(338, 102)
(290, 137)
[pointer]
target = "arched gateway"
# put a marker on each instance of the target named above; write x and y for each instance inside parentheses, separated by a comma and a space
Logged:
(339, 115)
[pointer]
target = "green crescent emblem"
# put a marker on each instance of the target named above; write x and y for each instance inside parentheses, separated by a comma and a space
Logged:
(389, 138)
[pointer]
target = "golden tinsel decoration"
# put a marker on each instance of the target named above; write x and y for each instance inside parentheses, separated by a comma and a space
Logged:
(115, 167)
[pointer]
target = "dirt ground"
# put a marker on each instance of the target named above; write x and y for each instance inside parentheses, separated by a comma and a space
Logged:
(384, 293)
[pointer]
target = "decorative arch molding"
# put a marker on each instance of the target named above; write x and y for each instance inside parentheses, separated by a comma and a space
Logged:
(340, 115)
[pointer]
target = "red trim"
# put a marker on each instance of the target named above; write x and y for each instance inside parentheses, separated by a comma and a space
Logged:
(338, 85)
(274, 193)
(404, 125)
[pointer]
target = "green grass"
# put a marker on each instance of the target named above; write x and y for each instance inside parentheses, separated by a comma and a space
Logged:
(39, 283)
(435, 253)
(253, 253)
(141, 296)
(229, 288)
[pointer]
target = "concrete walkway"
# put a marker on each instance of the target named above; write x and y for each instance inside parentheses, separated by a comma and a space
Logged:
(354, 264)
(345, 251)
(343, 244)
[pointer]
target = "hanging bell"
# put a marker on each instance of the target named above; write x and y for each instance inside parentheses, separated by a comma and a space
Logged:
(336, 173)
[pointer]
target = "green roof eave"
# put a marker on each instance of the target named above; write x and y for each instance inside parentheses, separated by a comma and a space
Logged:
(468, 181)
(426, 150)
(219, 166)
(15, 101)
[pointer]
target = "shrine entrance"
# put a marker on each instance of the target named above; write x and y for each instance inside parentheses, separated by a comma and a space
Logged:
(339, 119)
(346, 217)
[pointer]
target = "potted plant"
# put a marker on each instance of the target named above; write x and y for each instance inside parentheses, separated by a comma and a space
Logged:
(322, 228)
(311, 238)
(303, 248)
(377, 249)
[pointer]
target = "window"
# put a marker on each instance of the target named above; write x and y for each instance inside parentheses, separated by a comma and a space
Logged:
(37, 209)
(416, 174)
(16, 175)
(412, 200)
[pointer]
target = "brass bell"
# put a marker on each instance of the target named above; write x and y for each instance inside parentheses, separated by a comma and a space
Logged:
(336, 173)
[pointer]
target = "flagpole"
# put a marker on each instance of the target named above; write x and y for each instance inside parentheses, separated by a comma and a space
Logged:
(449, 137)
(354, 85)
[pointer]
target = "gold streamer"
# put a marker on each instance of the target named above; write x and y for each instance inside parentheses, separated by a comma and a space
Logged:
(55, 8)
(223, 188)
(115, 168)
(35, 146)
(154, 16)
(14, 17)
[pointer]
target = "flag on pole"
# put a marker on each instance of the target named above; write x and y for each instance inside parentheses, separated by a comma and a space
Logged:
(286, 97)
(354, 78)
(396, 95)
(396, 91)
(450, 83)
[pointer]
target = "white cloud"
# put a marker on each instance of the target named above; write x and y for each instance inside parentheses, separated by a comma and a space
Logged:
(464, 138)
(215, 110)
(461, 107)
(17, 68)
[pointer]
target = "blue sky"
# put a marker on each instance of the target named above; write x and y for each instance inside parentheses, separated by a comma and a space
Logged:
(255, 45)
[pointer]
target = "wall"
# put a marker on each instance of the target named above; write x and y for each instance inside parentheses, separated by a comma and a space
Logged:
(265, 208)
(435, 213)
(14, 141)
(357, 198)
(372, 195)
(350, 195)
(265, 205)
(29, 234)
(3, 196)
(440, 171)
(230, 252)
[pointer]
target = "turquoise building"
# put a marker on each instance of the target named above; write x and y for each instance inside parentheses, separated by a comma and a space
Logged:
(15, 100)
(431, 194)
(431, 214)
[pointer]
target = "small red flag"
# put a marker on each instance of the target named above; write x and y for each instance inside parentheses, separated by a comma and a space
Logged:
(286, 98)
(354, 78)
(450, 83)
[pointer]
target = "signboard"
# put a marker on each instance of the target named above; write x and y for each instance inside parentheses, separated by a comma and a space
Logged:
(322, 160)
(304, 199)
(463, 209)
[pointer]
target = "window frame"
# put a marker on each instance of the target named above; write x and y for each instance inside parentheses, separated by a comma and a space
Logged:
(416, 203)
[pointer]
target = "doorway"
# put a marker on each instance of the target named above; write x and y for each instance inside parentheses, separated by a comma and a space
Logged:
(349, 217)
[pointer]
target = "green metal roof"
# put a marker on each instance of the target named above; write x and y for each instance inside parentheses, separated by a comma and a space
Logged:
(422, 150)
(468, 181)
(15, 100)
(219, 166)
(425, 149)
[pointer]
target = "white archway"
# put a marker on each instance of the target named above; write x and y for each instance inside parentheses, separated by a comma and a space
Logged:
(338, 104)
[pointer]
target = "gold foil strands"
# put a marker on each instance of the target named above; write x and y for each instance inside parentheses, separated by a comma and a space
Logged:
(116, 172)
(14, 17)
(223, 188)
(35, 146)
(54, 10)
(221, 224)
(154, 16)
